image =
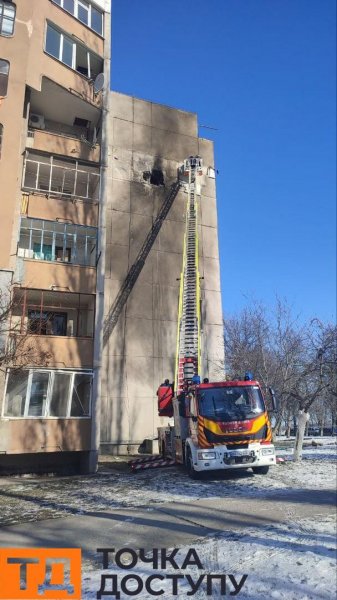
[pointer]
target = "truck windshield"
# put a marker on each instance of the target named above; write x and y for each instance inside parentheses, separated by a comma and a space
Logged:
(230, 403)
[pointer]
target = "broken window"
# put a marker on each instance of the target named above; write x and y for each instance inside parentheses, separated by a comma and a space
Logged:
(157, 177)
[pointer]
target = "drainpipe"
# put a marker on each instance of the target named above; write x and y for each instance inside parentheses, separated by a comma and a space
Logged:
(100, 274)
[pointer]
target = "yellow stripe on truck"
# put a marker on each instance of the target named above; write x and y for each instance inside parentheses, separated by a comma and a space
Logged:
(258, 423)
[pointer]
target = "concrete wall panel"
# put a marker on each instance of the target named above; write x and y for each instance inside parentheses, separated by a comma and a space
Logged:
(121, 106)
(210, 272)
(140, 301)
(165, 302)
(142, 112)
(206, 150)
(208, 212)
(143, 343)
(142, 199)
(116, 262)
(119, 196)
(142, 138)
(122, 133)
(118, 227)
(171, 119)
(165, 339)
(212, 307)
(210, 242)
(172, 145)
(139, 337)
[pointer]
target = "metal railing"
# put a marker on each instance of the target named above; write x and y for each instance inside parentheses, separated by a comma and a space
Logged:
(55, 177)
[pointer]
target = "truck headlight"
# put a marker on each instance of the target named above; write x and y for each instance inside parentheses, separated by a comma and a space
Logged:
(265, 451)
(206, 455)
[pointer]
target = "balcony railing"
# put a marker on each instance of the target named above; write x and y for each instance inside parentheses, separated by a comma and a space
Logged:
(56, 177)
(57, 241)
(52, 313)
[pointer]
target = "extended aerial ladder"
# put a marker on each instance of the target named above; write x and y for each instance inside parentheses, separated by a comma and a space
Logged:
(216, 425)
(188, 353)
(188, 348)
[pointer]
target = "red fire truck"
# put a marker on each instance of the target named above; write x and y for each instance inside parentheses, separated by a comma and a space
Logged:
(220, 425)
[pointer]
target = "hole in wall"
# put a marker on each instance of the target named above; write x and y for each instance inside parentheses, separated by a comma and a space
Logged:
(157, 177)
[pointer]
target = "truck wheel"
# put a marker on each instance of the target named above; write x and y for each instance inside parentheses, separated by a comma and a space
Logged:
(261, 470)
(193, 474)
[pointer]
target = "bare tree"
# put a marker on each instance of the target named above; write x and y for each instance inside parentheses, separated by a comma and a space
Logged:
(297, 359)
(17, 347)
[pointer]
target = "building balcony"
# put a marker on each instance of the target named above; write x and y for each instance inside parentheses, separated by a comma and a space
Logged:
(59, 352)
(53, 328)
(60, 178)
(63, 144)
(37, 205)
(57, 254)
(57, 275)
(59, 240)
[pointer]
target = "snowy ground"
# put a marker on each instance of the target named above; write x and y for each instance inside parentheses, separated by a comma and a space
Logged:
(25, 499)
(290, 561)
(296, 561)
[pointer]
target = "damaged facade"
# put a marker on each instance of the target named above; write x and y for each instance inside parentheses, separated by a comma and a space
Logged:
(84, 174)
(147, 145)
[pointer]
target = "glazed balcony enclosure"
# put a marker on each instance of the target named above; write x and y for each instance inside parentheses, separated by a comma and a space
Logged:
(57, 241)
(60, 177)
(53, 328)
(47, 410)
(57, 254)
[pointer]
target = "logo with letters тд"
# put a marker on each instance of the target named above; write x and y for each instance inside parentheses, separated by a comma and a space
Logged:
(40, 573)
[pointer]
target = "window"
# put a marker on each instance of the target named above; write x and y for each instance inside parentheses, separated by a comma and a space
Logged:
(230, 403)
(53, 313)
(59, 177)
(72, 53)
(16, 393)
(4, 72)
(48, 393)
(80, 400)
(38, 394)
(7, 18)
(54, 241)
(1, 134)
(41, 322)
(84, 12)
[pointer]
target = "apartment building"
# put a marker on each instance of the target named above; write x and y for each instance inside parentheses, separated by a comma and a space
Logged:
(84, 174)
(54, 84)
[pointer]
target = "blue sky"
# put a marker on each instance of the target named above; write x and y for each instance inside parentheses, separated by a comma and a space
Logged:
(262, 72)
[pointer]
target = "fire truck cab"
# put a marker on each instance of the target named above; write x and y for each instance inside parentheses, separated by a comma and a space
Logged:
(220, 425)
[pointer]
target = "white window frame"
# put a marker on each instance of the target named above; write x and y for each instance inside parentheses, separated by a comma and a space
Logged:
(76, 238)
(3, 4)
(85, 4)
(52, 373)
(75, 44)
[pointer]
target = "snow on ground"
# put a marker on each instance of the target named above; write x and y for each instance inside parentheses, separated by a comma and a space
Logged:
(25, 499)
(290, 561)
(294, 561)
